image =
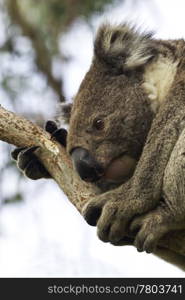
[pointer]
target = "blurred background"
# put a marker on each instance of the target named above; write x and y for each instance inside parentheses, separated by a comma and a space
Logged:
(46, 47)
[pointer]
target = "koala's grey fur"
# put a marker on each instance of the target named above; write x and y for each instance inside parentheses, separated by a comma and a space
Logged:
(136, 88)
(136, 85)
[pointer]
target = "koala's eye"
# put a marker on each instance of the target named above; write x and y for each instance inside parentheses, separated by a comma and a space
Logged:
(98, 124)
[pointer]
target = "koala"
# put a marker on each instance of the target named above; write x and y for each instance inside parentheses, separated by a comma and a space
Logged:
(124, 124)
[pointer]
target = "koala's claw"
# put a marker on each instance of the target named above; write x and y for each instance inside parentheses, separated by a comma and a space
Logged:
(105, 222)
(145, 242)
(27, 160)
(103, 234)
(91, 214)
(16, 151)
(51, 126)
(111, 228)
(117, 230)
(24, 156)
(61, 136)
(92, 210)
(151, 230)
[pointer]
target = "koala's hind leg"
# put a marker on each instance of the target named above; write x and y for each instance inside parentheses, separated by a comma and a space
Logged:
(170, 214)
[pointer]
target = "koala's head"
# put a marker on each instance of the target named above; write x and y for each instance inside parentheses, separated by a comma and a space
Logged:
(111, 115)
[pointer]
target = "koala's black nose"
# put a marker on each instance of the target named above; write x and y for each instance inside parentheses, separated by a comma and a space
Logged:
(86, 166)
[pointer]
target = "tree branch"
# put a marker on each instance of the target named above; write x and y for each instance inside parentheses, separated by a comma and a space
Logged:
(20, 132)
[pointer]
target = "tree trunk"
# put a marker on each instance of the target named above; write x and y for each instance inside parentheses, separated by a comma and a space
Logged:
(20, 132)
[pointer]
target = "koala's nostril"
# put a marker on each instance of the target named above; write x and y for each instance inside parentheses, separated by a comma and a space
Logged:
(87, 168)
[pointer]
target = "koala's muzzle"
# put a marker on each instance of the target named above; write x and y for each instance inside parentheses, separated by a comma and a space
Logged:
(86, 166)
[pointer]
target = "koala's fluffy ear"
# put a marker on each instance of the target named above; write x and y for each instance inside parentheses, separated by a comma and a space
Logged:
(123, 46)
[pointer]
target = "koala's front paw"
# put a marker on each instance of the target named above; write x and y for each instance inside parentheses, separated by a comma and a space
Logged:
(27, 160)
(111, 217)
(151, 228)
(113, 222)
(59, 134)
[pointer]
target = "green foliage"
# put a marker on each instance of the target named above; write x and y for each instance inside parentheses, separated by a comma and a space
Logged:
(52, 17)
